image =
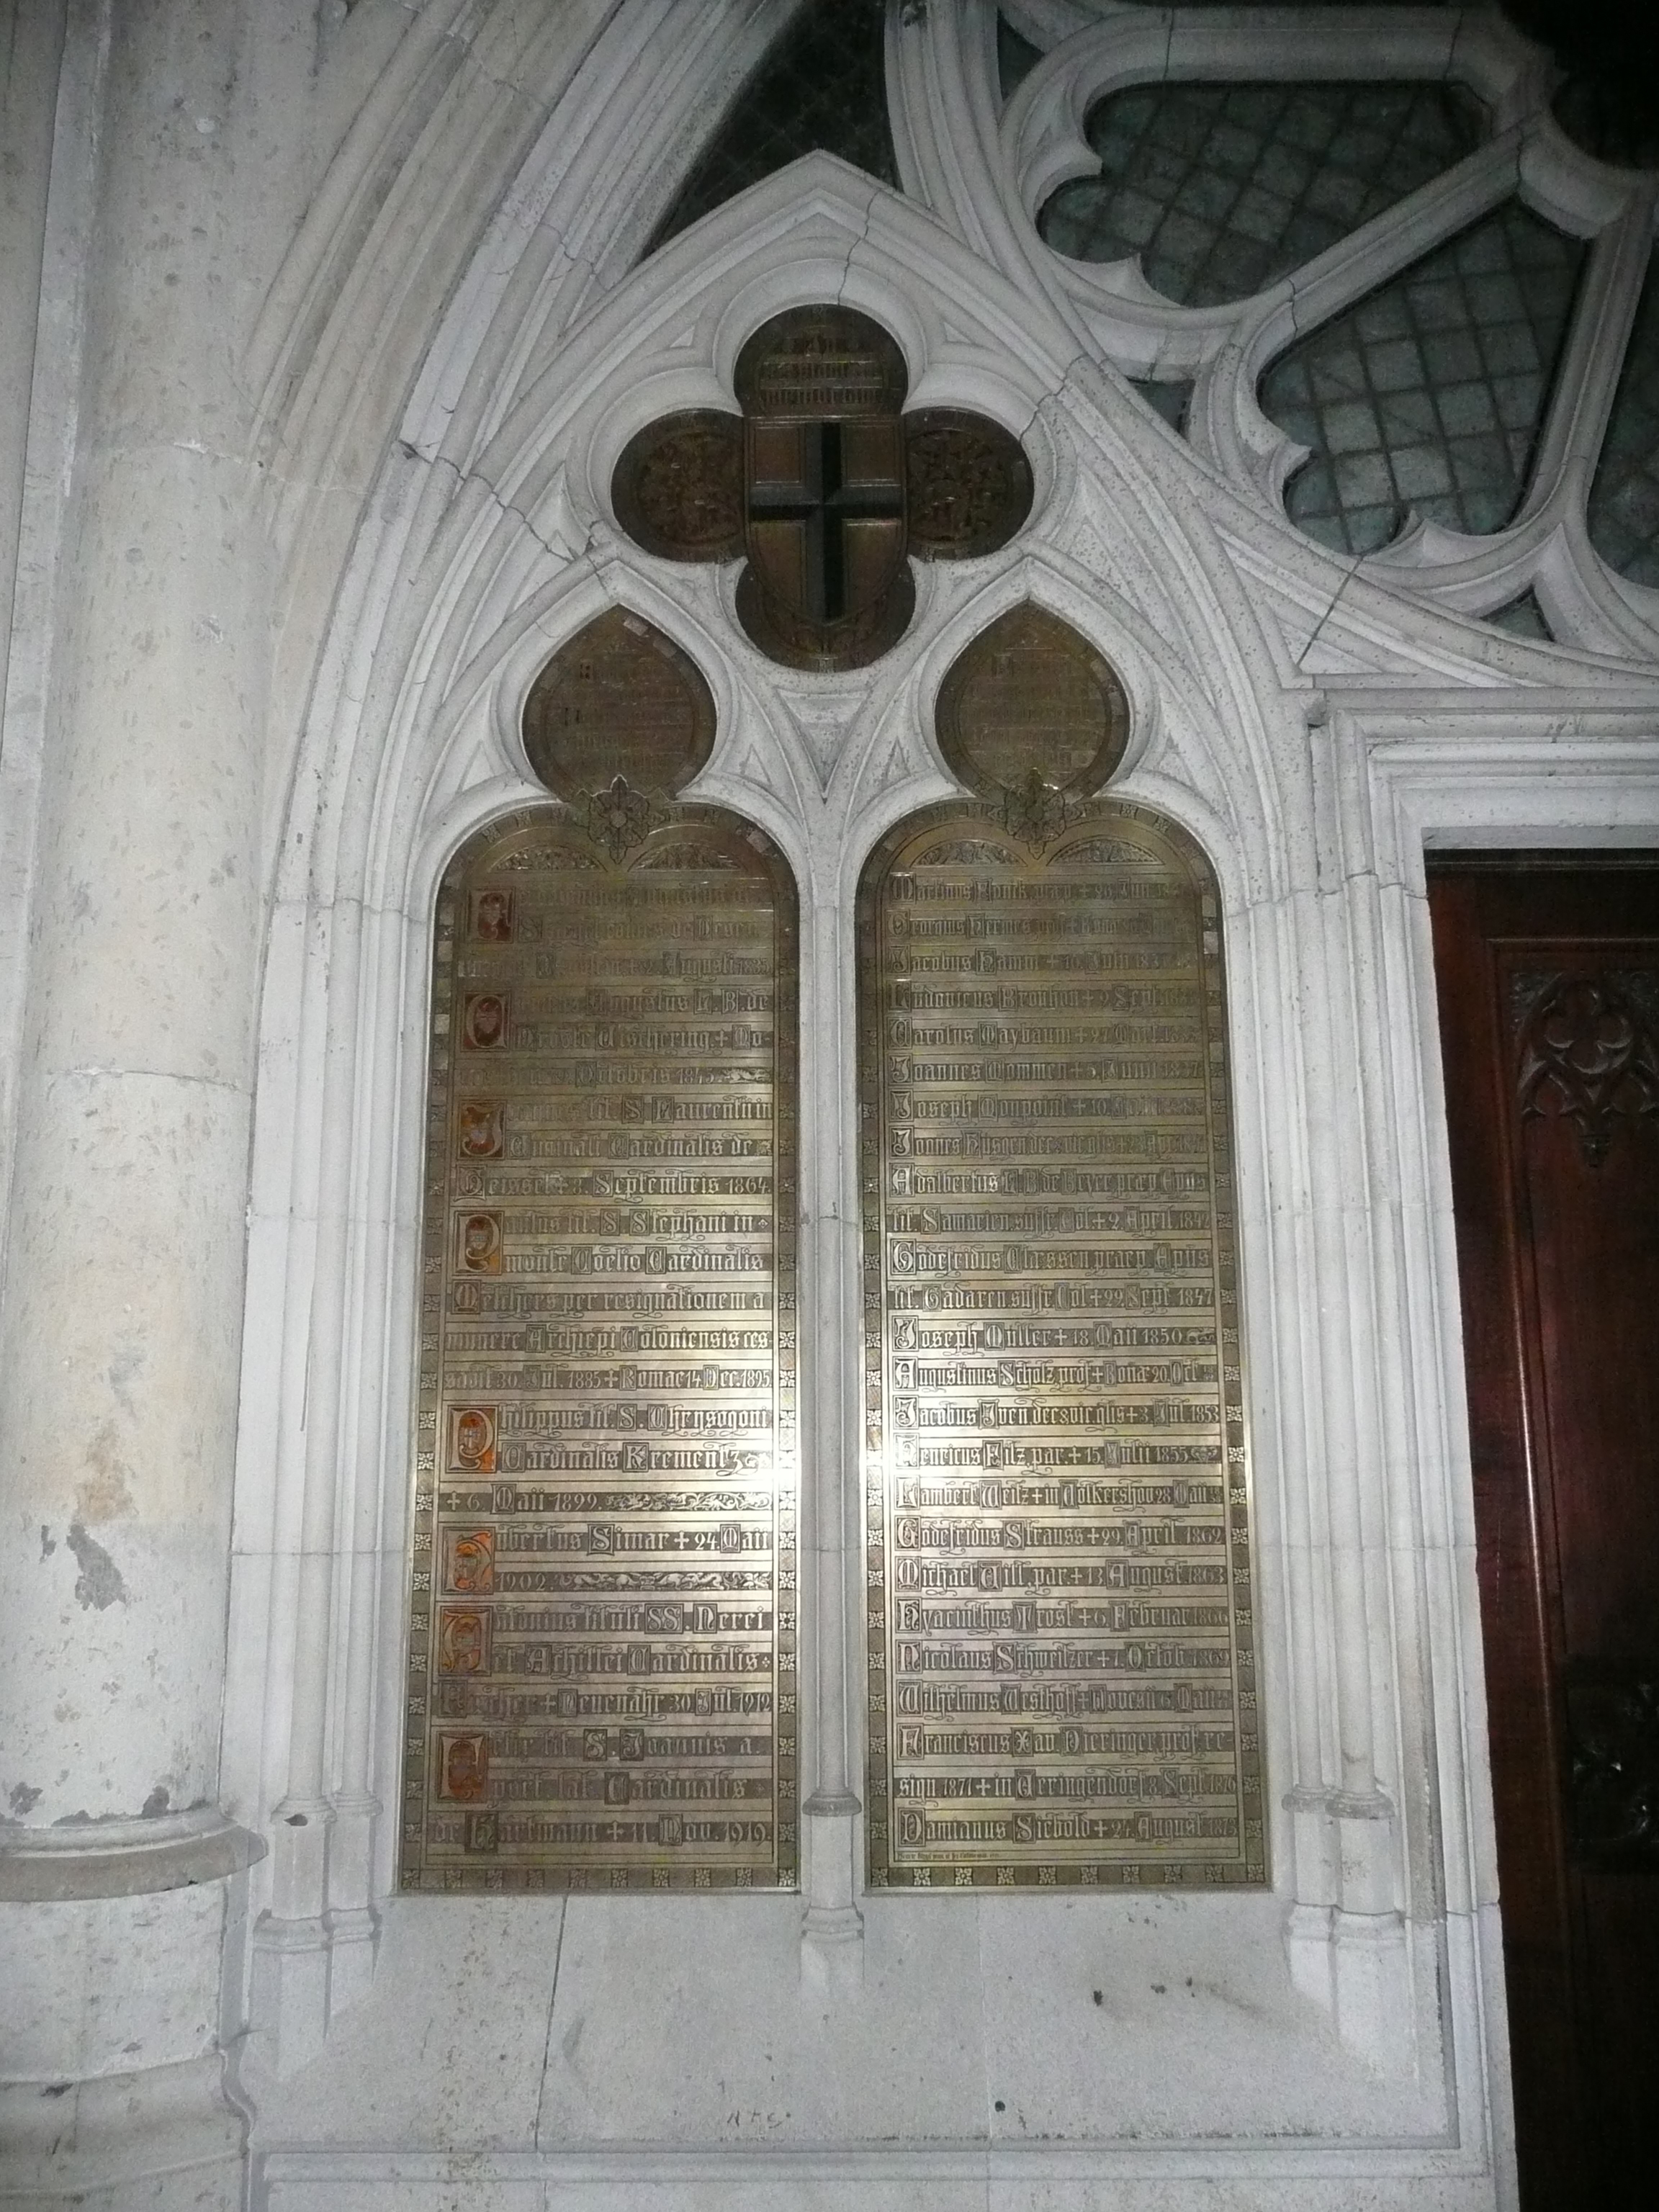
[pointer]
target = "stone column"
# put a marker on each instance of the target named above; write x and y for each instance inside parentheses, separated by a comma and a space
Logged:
(119, 1337)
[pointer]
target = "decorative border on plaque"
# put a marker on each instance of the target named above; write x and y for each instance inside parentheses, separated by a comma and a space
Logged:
(582, 1716)
(1060, 1636)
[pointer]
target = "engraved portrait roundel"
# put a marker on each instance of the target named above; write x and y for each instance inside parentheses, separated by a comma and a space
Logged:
(1030, 705)
(677, 488)
(619, 703)
(970, 483)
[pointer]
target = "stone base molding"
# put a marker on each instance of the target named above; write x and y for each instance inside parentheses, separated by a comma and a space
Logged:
(165, 2139)
(122, 1858)
(114, 2088)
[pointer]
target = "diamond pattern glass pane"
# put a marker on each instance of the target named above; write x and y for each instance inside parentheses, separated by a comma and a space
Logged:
(1429, 395)
(1170, 397)
(1523, 617)
(822, 87)
(1222, 189)
(1016, 58)
(1624, 500)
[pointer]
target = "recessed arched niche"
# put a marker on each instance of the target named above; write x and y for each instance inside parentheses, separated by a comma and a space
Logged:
(1061, 1660)
(601, 1691)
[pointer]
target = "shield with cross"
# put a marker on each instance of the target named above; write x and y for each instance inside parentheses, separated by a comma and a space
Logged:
(827, 583)
(825, 486)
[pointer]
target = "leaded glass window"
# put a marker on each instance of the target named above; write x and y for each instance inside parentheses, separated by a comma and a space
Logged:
(1428, 397)
(1523, 617)
(1016, 58)
(1222, 189)
(1363, 270)
(821, 89)
(1624, 500)
(1167, 395)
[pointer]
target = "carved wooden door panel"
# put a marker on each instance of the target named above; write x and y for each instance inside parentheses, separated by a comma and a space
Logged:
(1548, 979)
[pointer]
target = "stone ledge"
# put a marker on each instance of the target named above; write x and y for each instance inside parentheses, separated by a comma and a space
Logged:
(122, 1858)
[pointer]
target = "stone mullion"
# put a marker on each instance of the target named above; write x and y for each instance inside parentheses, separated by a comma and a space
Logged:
(1582, 399)
(831, 1574)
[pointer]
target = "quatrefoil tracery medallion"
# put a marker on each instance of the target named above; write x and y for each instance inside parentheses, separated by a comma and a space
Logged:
(825, 486)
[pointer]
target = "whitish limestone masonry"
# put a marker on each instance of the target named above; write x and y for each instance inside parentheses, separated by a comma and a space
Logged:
(324, 329)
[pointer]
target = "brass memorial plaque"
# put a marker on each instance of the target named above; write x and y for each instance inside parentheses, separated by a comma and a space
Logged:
(602, 1689)
(1062, 1683)
(823, 487)
(620, 700)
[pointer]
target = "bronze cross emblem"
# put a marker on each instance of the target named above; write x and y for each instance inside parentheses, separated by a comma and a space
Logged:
(826, 512)
(825, 486)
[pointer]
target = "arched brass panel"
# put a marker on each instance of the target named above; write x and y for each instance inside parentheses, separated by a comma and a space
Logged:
(601, 1688)
(1061, 1634)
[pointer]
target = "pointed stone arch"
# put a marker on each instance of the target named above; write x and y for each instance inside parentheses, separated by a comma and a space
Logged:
(480, 538)
(471, 559)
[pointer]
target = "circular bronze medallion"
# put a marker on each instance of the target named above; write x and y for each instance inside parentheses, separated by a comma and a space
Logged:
(678, 490)
(970, 483)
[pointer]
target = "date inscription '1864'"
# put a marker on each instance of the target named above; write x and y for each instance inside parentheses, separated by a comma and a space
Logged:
(602, 1678)
(1060, 1644)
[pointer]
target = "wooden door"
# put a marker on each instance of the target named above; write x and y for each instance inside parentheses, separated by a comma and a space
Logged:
(1548, 976)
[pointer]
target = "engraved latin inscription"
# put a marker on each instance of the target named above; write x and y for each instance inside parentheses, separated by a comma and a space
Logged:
(601, 1690)
(1059, 1644)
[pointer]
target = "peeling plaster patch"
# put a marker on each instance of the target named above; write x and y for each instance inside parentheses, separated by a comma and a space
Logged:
(155, 1804)
(104, 1495)
(48, 1541)
(22, 1799)
(99, 1581)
